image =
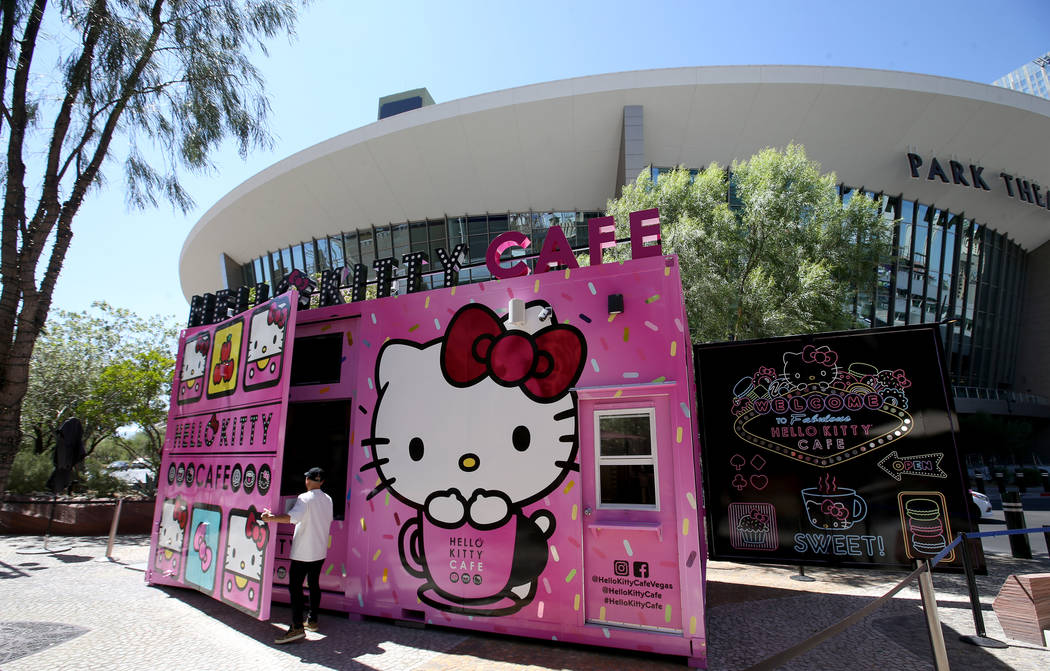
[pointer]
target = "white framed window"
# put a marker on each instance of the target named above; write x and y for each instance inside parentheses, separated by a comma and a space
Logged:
(626, 471)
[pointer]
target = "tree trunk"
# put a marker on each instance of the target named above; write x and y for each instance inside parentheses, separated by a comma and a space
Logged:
(10, 440)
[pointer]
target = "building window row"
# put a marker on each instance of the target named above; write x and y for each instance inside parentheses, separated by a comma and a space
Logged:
(395, 240)
(945, 268)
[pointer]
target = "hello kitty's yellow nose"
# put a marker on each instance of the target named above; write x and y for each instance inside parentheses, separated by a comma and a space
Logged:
(469, 462)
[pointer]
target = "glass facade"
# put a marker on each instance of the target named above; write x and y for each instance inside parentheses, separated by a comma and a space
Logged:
(952, 270)
(945, 268)
(1032, 78)
(395, 240)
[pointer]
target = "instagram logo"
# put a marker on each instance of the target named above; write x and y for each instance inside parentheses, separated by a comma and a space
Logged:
(620, 567)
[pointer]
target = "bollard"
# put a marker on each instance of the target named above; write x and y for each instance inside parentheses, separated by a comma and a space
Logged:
(1000, 482)
(1014, 514)
(980, 483)
(1046, 537)
(1045, 477)
(1019, 479)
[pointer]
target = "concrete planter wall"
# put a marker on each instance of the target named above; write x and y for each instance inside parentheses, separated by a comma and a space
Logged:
(73, 517)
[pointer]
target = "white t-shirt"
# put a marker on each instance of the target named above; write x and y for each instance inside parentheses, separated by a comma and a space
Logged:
(312, 516)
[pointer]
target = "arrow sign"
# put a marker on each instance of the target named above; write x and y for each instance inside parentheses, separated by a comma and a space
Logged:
(920, 465)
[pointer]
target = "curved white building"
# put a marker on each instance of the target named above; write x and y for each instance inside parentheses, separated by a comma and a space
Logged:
(965, 167)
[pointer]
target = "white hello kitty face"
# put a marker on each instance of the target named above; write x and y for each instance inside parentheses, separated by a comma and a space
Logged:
(243, 555)
(430, 436)
(267, 337)
(193, 362)
(171, 534)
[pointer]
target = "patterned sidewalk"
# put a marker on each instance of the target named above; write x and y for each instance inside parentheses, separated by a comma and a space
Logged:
(76, 610)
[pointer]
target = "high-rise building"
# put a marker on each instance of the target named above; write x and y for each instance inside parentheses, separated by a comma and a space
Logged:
(1033, 78)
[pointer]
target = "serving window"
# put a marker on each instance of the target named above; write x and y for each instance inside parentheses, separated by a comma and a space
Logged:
(625, 455)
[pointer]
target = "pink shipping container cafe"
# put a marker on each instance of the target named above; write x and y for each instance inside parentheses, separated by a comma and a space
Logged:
(516, 456)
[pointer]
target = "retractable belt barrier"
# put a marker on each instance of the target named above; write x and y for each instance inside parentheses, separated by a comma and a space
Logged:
(787, 655)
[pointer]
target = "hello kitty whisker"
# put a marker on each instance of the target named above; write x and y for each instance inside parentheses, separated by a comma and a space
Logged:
(375, 464)
(570, 465)
(369, 442)
(565, 414)
(380, 487)
(567, 438)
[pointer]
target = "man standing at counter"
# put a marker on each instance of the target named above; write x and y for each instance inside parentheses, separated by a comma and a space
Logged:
(312, 516)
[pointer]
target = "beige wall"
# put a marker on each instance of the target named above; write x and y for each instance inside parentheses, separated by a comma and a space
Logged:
(1033, 358)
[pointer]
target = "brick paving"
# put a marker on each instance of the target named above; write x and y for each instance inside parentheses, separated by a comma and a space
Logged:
(76, 610)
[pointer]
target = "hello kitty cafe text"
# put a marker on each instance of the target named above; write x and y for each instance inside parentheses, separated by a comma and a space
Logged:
(214, 307)
(516, 455)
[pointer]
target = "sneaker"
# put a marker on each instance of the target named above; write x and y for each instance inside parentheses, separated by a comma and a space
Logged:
(311, 625)
(293, 634)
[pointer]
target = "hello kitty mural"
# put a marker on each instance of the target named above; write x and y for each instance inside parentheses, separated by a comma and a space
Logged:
(246, 539)
(171, 536)
(194, 365)
(266, 336)
(469, 480)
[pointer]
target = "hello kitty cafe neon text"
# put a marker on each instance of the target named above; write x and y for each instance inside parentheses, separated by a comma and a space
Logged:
(557, 252)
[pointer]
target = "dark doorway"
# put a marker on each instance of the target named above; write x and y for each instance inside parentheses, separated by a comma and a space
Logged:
(318, 434)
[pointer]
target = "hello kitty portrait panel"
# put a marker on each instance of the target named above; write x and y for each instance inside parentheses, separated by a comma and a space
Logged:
(470, 505)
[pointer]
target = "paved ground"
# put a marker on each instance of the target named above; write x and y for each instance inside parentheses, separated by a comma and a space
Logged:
(73, 610)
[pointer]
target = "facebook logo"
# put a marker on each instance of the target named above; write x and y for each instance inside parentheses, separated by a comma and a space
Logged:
(641, 569)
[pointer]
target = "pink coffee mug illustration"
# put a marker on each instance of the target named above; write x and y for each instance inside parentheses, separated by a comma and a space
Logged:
(475, 541)
(832, 507)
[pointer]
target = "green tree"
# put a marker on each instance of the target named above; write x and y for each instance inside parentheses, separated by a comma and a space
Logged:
(107, 367)
(158, 84)
(765, 249)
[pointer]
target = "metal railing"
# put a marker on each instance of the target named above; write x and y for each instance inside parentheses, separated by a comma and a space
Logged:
(987, 394)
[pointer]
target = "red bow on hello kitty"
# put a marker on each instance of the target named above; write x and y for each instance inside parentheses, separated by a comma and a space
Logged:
(256, 530)
(544, 365)
(179, 513)
(278, 314)
(202, 344)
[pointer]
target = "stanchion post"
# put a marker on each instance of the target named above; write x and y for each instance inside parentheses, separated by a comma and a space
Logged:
(1014, 514)
(979, 479)
(1046, 537)
(801, 575)
(1019, 479)
(933, 620)
(980, 638)
(1045, 477)
(1000, 482)
(113, 528)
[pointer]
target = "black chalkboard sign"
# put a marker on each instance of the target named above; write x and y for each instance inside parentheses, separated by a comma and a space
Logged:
(835, 448)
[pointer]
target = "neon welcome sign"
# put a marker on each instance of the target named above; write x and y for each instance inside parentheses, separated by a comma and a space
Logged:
(556, 252)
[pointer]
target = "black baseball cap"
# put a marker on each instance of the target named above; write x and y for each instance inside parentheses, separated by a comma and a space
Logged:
(315, 473)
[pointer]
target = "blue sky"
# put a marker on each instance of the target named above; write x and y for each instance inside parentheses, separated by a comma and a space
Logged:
(349, 54)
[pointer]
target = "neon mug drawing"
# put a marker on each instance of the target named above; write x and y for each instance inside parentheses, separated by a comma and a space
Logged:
(839, 510)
